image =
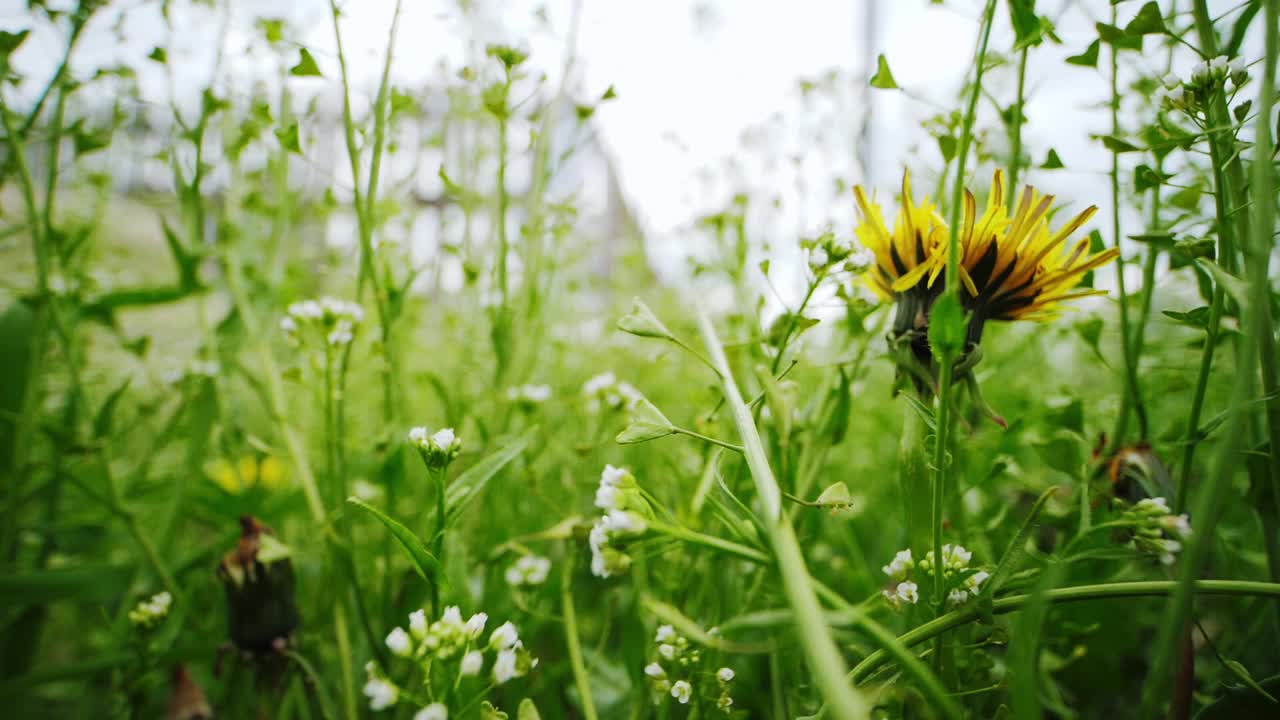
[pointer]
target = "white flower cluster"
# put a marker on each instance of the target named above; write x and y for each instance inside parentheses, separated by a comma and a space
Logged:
(207, 369)
(1157, 530)
(438, 449)
(1206, 77)
(333, 320)
(452, 648)
(149, 613)
(606, 392)
(829, 249)
(626, 514)
(529, 395)
(684, 662)
(962, 582)
(528, 571)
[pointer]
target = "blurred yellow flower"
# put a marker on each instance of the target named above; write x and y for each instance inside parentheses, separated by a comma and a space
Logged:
(248, 472)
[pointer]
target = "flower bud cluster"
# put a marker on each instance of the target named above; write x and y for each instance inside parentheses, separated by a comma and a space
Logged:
(606, 392)
(678, 671)
(448, 651)
(903, 571)
(438, 449)
(1193, 94)
(528, 571)
(1157, 530)
(529, 395)
(148, 614)
(827, 250)
(329, 319)
(626, 517)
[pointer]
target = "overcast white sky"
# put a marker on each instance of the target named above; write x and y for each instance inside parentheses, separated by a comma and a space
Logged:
(691, 78)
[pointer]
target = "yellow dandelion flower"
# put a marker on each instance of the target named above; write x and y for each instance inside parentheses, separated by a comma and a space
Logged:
(915, 247)
(1015, 268)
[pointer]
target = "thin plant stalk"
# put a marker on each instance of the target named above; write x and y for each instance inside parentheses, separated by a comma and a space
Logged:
(947, 358)
(1078, 593)
(823, 656)
(572, 643)
(1212, 494)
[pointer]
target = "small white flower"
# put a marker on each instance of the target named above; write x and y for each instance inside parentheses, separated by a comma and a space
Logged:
(901, 565)
(341, 335)
(1152, 506)
(505, 636)
(1178, 524)
(471, 663)
(725, 674)
(860, 260)
(443, 439)
(504, 668)
(418, 623)
(681, 691)
(667, 651)
(1200, 71)
(607, 497)
(452, 617)
(818, 259)
(973, 583)
(399, 643)
(598, 383)
(905, 592)
(1171, 81)
(381, 694)
(528, 570)
(418, 436)
(612, 476)
(1219, 66)
(666, 633)
(957, 597)
(724, 703)
(434, 711)
(1237, 66)
(655, 671)
(475, 625)
(955, 557)
(624, 522)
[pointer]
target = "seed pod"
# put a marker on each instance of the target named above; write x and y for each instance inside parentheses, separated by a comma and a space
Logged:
(258, 578)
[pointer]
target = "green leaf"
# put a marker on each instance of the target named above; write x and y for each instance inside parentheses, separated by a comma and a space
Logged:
(424, 563)
(947, 327)
(1241, 111)
(883, 78)
(1232, 285)
(88, 141)
(1052, 161)
(1088, 58)
(10, 42)
(17, 338)
(647, 423)
(1145, 178)
(1027, 29)
(1241, 27)
(788, 327)
(288, 137)
(272, 29)
(1117, 145)
(95, 583)
(469, 484)
(1243, 674)
(642, 322)
(1148, 21)
(1197, 318)
(1243, 703)
(1096, 245)
(158, 54)
(401, 103)
(1016, 549)
(609, 94)
(102, 421)
(306, 66)
(1117, 38)
(947, 145)
(528, 711)
(489, 712)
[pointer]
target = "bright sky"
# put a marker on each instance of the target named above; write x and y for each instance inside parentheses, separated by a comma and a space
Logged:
(691, 79)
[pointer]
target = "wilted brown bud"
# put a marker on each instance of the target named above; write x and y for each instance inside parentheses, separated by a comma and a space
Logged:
(186, 699)
(258, 578)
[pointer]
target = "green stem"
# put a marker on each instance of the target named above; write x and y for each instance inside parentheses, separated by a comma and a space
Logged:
(1133, 392)
(1015, 130)
(1148, 588)
(947, 356)
(824, 659)
(704, 438)
(580, 677)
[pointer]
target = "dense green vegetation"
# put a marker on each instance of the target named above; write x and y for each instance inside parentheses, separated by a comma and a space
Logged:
(266, 453)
